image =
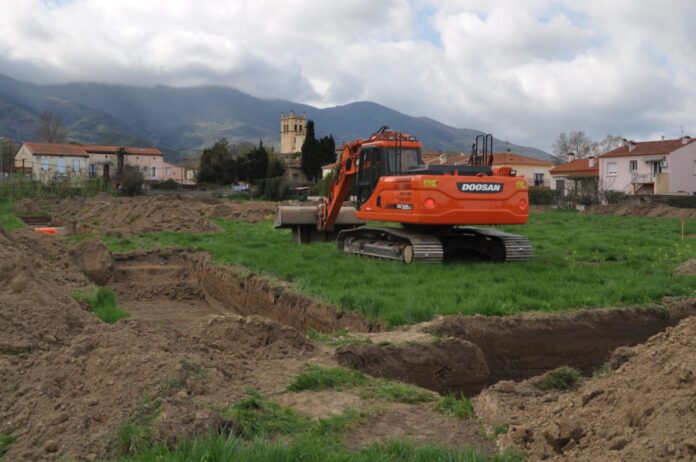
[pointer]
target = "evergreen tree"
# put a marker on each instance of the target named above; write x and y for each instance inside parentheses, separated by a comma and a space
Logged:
(217, 164)
(311, 165)
(256, 163)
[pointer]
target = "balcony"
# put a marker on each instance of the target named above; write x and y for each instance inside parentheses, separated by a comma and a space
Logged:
(642, 178)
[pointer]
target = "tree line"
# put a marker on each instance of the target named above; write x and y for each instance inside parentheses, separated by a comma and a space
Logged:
(582, 146)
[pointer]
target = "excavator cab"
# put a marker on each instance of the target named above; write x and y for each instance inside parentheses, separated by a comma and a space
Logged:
(377, 161)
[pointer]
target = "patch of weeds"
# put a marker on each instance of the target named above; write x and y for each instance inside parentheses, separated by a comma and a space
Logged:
(322, 378)
(601, 371)
(103, 302)
(395, 391)
(5, 442)
(562, 378)
(189, 370)
(11, 350)
(256, 417)
(338, 338)
(461, 407)
(384, 343)
(492, 433)
(136, 434)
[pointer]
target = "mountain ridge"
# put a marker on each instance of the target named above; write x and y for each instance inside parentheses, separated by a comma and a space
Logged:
(191, 118)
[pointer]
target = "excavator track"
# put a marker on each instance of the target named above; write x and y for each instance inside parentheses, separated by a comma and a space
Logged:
(391, 244)
(414, 246)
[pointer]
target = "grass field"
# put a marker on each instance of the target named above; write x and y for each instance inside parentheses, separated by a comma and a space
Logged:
(8, 219)
(580, 261)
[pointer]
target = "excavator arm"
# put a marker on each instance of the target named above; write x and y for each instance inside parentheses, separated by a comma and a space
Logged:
(340, 186)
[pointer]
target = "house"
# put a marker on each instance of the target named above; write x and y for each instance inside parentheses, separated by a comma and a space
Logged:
(535, 171)
(103, 161)
(650, 167)
(53, 162)
(327, 169)
(577, 177)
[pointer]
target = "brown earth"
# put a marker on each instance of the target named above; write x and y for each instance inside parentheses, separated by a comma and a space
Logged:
(122, 216)
(643, 410)
(688, 267)
(642, 210)
(68, 382)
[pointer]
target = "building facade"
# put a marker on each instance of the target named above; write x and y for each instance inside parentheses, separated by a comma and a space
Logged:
(650, 167)
(293, 129)
(577, 177)
(53, 162)
(56, 162)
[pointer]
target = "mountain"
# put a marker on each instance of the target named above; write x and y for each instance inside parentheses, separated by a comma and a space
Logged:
(179, 120)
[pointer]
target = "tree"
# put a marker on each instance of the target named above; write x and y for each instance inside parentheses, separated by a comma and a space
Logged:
(327, 151)
(255, 164)
(311, 165)
(120, 163)
(7, 153)
(576, 142)
(50, 128)
(217, 164)
(131, 180)
(581, 145)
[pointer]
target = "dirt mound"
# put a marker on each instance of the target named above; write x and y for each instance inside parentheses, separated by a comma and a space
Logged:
(35, 282)
(641, 411)
(642, 210)
(688, 267)
(94, 260)
(135, 215)
(68, 382)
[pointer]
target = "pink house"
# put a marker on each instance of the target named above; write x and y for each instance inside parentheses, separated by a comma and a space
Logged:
(103, 161)
(650, 167)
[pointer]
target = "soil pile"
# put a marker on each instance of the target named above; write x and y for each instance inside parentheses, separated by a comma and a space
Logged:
(68, 382)
(688, 267)
(642, 210)
(135, 215)
(37, 312)
(643, 410)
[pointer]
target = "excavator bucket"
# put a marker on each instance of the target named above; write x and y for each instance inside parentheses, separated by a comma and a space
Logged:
(304, 222)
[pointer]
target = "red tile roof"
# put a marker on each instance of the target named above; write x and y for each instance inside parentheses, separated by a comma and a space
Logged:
(97, 149)
(648, 148)
(580, 167)
(51, 149)
(510, 158)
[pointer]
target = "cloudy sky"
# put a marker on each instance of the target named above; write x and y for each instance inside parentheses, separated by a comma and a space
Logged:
(524, 70)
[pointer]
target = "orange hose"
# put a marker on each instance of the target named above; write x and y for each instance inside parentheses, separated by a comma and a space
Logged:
(49, 230)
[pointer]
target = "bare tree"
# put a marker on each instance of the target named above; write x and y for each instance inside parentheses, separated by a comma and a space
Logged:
(50, 128)
(576, 142)
(608, 143)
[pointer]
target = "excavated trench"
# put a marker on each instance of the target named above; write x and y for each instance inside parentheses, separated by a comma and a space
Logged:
(451, 354)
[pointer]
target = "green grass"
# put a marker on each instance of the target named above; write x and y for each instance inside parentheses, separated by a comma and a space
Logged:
(5, 442)
(264, 431)
(562, 378)
(8, 217)
(136, 435)
(322, 378)
(461, 407)
(221, 448)
(580, 261)
(103, 302)
(395, 391)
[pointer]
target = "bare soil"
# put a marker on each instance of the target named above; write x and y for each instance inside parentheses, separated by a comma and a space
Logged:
(642, 210)
(641, 409)
(68, 382)
(123, 216)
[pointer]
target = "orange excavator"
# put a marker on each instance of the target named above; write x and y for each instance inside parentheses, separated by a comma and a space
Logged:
(434, 204)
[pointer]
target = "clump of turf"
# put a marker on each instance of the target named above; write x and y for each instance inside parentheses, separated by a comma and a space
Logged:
(562, 378)
(103, 302)
(322, 378)
(461, 407)
(5, 442)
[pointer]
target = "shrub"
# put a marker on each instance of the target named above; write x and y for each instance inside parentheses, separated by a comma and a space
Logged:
(541, 196)
(614, 197)
(167, 185)
(563, 378)
(274, 189)
(131, 181)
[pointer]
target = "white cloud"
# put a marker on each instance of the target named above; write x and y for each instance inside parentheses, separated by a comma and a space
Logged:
(524, 70)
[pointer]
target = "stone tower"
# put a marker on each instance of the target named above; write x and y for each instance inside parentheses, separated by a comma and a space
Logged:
(293, 128)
